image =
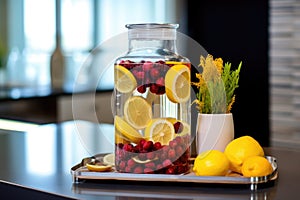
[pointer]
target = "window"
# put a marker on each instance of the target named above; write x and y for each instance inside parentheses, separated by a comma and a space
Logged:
(84, 24)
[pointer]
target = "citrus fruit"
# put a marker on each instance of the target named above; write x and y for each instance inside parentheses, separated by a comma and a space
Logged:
(160, 130)
(137, 112)
(126, 130)
(109, 159)
(256, 166)
(98, 168)
(211, 163)
(177, 83)
(239, 149)
(124, 80)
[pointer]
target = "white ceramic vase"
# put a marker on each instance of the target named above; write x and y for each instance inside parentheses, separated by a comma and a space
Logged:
(214, 131)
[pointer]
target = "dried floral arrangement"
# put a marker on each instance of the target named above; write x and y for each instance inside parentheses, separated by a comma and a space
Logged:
(216, 86)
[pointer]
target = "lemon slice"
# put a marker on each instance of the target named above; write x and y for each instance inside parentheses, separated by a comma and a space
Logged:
(98, 168)
(137, 112)
(109, 159)
(177, 83)
(126, 130)
(160, 130)
(124, 80)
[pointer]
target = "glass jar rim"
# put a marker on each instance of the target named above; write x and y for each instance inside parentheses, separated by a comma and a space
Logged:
(152, 31)
(152, 26)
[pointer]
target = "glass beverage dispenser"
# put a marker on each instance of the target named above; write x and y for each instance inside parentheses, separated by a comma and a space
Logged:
(152, 103)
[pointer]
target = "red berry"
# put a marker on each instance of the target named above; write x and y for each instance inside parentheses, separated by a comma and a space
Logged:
(131, 163)
(179, 150)
(150, 155)
(167, 163)
(171, 170)
(142, 156)
(147, 66)
(127, 147)
(172, 154)
(138, 170)
(141, 89)
(157, 146)
(148, 145)
(178, 126)
(148, 171)
(154, 73)
(160, 81)
(154, 88)
(140, 75)
(150, 165)
(173, 143)
(122, 165)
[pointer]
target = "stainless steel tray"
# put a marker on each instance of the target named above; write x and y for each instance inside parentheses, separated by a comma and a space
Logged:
(81, 173)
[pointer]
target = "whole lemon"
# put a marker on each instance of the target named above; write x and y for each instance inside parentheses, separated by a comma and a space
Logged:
(211, 163)
(256, 166)
(239, 149)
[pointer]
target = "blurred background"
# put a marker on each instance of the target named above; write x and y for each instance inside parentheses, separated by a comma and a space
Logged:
(264, 35)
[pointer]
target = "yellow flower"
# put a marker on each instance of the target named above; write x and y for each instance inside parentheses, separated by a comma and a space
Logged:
(216, 85)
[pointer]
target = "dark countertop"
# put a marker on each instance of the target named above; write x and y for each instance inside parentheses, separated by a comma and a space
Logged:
(37, 164)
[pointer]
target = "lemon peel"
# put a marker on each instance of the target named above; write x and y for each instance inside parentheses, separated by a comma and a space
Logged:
(126, 130)
(124, 80)
(177, 84)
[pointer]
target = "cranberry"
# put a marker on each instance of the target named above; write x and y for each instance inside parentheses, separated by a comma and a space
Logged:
(154, 73)
(167, 163)
(147, 66)
(148, 171)
(131, 163)
(160, 81)
(122, 165)
(172, 154)
(138, 170)
(150, 165)
(150, 155)
(178, 126)
(140, 75)
(127, 169)
(157, 146)
(141, 89)
(159, 166)
(148, 145)
(173, 143)
(154, 88)
(171, 170)
(142, 141)
(127, 147)
(179, 150)
(161, 90)
(142, 156)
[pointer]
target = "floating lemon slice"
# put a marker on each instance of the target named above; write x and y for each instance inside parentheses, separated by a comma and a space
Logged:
(160, 130)
(109, 159)
(98, 168)
(137, 112)
(126, 130)
(124, 80)
(177, 83)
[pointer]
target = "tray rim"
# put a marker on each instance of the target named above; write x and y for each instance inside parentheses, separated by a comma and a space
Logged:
(80, 173)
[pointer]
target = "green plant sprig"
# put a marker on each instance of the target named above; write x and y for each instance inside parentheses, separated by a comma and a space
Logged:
(216, 86)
